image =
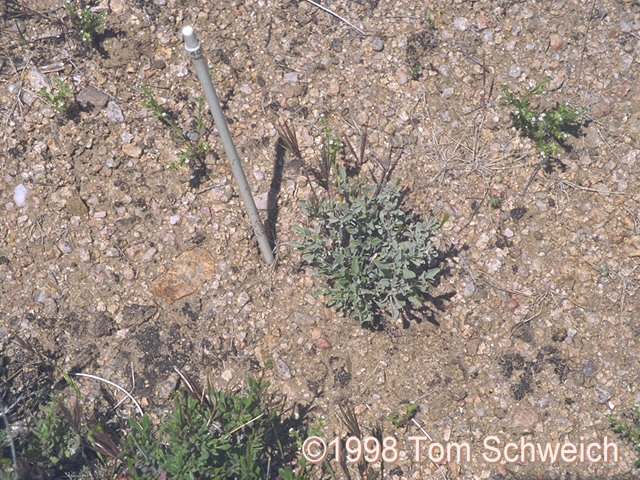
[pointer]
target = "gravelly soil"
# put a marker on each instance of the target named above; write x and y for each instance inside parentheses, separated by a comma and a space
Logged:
(533, 329)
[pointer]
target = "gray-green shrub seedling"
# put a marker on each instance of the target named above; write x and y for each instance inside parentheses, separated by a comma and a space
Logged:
(378, 256)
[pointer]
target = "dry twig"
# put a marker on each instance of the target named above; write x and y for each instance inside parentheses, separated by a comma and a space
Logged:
(360, 31)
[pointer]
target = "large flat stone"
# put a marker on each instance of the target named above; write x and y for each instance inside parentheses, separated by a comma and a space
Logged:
(187, 274)
(92, 97)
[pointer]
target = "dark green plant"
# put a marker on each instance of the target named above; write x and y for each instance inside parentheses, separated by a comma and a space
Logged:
(400, 420)
(211, 434)
(58, 96)
(377, 255)
(194, 149)
(53, 436)
(268, 364)
(88, 22)
(548, 128)
(628, 431)
(304, 469)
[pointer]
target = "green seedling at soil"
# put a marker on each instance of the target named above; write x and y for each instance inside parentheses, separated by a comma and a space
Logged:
(88, 21)
(329, 149)
(398, 421)
(548, 128)
(58, 96)
(495, 202)
(415, 72)
(194, 150)
(629, 432)
(430, 21)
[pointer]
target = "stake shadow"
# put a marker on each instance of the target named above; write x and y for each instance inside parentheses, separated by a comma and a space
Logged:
(274, 191)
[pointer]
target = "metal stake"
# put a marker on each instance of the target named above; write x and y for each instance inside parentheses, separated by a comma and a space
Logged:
(192, 46)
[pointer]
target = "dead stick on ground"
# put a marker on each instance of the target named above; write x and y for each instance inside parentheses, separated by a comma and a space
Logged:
(523, 322)
(587, 189)
(488, 281)
(361, 32)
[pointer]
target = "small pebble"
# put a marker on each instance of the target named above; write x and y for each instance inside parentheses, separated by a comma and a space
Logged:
(290, 77)
(447, 92)
(114, 113)
(603, 394)
(282, 368)
(461, 23)
(588, 368)
(243, 299)
(469, 289)
(20, 195)
(377, 44)
(323, 344)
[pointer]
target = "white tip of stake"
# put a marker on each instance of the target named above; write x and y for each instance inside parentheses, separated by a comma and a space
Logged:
(191, 43)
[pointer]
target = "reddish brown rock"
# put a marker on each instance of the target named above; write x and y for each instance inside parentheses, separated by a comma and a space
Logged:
(187, 274)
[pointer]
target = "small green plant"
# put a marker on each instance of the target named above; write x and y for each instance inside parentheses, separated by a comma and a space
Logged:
(195, 149)
(548, 128)
(409, 412)
(415, 72)
(53, 436)
(377, 255)
(430, 21)
(88, 21)
(58, 97)
(329, 149)
(629, 432)
(603, 270)
(304, 469)
(494, 201)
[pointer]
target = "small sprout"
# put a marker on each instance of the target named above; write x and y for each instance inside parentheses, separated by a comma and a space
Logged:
(398, 421)
(494, 201)
(603, 270)
(57, 97)
(195, 149)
